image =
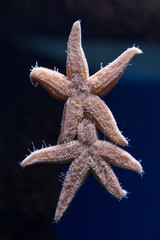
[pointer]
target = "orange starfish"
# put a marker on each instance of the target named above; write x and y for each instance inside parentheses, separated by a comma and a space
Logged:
(81, 92)
(86, 153)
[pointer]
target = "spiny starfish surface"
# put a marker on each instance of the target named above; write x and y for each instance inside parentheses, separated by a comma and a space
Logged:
(86, 153)
(81, 92)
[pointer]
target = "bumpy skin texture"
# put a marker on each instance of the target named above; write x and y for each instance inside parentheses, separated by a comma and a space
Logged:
(86, 153)
(81, 91)
(83, 111)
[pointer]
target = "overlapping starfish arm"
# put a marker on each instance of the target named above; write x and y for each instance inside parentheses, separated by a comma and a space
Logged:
(55, 154)
(77, 66)
(106, 78)
(72, 116)
(103, 117)
(106, 177)
(117, 156)
(74, 179)
(87, 133)
(54, 82)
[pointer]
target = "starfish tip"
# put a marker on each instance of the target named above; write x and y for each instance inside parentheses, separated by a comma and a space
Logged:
(57, 216)
(137, 50)
(142, 173)
(77, 25)
(123, 141)
(27, 161)
(33, 75)
(140, 169)
(22, 164)
(123, 194)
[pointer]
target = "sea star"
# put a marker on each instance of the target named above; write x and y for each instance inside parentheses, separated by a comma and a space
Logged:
(81, 91)
(86, 153)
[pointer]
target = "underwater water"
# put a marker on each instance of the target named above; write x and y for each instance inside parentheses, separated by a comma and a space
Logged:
(29, 196)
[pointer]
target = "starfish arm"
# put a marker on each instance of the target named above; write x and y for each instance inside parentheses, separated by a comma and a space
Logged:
(77, 66)
(117, 156)
(103, 117)
(105, 175)
(86, 132)
(74, 179)
(72, 115)
(56, 154)
(106, 78)
(54, 82)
